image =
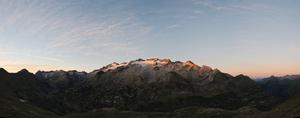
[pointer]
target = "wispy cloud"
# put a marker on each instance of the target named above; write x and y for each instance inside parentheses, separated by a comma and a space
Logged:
(262, 12)
(243, 7)
(61, 30)
(191, 17)
(219, 8)
(209, 4)
(154, 11)
(251, 7)
(104, 38)
(173, 26)
(6, 61)
(177, 16)
(8, 52)
(24, 54)
(206, 3)
(198, 12)
(294, 49)
(49, 58)
(2, 52)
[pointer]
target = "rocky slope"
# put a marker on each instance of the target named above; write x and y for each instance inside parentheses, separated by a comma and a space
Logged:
(288, 109)
(23, 94)
(62, 79)
(139, 85)
(282, 87)
(163, 85)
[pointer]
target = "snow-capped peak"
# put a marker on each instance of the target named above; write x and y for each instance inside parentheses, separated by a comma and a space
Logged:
(155, 62)
(113, 66)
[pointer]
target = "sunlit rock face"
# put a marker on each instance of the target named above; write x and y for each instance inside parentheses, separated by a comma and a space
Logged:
(156, 63)
(155, 70)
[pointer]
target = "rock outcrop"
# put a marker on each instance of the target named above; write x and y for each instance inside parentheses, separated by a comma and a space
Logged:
(62, 79)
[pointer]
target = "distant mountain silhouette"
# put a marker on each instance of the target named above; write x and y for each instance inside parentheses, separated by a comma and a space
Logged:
(282, 87)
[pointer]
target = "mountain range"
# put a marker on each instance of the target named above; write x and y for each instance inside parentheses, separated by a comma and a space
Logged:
(282, 87)
(143, 86)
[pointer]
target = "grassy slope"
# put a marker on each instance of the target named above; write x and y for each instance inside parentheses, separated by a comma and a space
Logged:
(13, 107)
(290, 108)
(13, 87)
(189, 112)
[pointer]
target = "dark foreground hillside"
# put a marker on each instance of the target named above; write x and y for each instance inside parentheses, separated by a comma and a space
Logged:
(288, 109)
(21, 93)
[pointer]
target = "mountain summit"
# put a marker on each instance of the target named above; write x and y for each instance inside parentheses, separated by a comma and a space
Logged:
(156, 85)
(156, 63)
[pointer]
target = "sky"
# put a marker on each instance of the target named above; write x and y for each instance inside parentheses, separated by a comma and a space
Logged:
(257, 38)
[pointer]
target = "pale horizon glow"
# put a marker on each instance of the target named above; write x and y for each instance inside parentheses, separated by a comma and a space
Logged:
(256, 38)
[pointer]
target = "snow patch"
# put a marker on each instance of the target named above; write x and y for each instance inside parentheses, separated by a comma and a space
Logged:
(22, 100)
(149, 62)
(114, 66)
(157, 63)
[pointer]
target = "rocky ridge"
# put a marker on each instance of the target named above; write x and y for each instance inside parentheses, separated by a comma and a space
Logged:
(163, 85)
(140, 85)
(282, 87)
(60, 79)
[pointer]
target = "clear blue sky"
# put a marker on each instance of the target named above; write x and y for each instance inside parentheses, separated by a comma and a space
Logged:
(257, 38)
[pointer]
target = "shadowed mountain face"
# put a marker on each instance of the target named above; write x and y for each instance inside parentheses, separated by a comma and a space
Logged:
(282, 87)
(23, 91)
(140, 85)
(23, 85)
(61, 79)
